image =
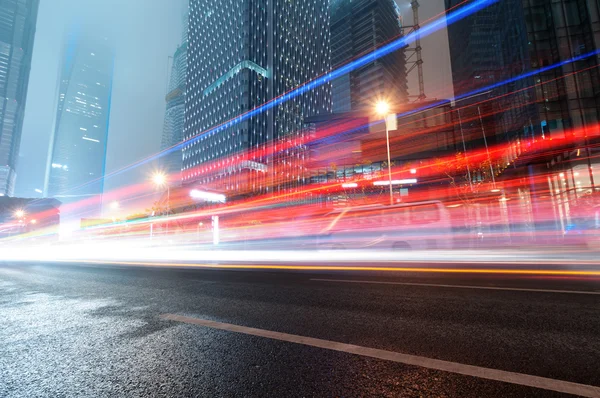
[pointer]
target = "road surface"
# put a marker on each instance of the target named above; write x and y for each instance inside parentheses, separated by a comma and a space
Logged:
(103, 331)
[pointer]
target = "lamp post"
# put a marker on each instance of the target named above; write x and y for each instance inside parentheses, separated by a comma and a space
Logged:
(487, 149)
(160, 180)
(382, 108)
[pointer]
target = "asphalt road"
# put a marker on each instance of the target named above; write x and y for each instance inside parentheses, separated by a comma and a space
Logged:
(101, 331)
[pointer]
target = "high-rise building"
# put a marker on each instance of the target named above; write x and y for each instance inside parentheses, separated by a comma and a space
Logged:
(174, 115)
(515, 36)
(17, 30)
(359, 27)
(568, 98)
(241, 55)
(487, 49)
(77, 154)
(559, 105)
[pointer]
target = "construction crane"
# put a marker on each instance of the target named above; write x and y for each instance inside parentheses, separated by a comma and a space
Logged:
(415, 60)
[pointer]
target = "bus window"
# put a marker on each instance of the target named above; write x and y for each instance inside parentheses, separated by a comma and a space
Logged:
(421, 226)
(357, 220)
(396, 216)
(424, 214)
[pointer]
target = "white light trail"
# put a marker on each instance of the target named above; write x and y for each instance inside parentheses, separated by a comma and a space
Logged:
(396, 182)
(207, 196)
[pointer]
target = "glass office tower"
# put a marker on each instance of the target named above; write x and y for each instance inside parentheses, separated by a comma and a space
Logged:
(170, 162)
(241, 55)
(515, 36)
(359, 27)
(17, 30)
(77, 156)
(487, 49)
(568, 100)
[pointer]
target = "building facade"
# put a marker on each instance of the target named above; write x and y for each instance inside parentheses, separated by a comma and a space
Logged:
(17, 30)
(349, 152)
(557, 110)
(77, 153)
(516, 36)
(359, 27)
(241, 55)
(568, 101)
(487, 49)
(171, 161)
(568, 98)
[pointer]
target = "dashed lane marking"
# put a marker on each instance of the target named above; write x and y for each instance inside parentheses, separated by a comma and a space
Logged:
(414, 360)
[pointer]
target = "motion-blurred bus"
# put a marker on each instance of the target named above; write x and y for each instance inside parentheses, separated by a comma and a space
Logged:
(418, 226)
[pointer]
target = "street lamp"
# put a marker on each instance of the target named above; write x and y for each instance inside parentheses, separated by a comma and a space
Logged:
(19, 213)
(383, 108)
(160, 180)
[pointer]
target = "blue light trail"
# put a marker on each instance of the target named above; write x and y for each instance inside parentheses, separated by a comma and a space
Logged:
(395, 45)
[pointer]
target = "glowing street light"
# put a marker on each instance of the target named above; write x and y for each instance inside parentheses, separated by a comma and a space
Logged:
(382, 108)
(19, 213)
(159, 179)
(114, 205)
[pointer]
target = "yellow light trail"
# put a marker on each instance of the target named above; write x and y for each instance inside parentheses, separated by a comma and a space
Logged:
(349, 268)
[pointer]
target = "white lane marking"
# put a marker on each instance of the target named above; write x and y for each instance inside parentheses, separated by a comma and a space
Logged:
(511, 289)
(414, 360)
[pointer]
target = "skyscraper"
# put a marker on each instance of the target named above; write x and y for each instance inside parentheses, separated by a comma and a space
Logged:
(359, 27)
(241, 55)
(489, 48)
(77, 154)
(174, 115)
(567, 97)
(567, 101)
(559, 102)
(514, 36)
(17, 30)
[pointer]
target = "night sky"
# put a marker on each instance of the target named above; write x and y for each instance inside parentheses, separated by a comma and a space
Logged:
(147, 32)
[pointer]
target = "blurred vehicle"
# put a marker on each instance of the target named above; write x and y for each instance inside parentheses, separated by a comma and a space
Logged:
(419, 225)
